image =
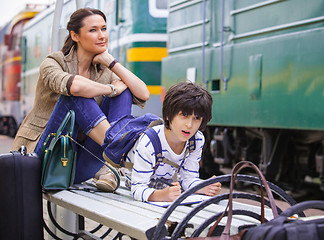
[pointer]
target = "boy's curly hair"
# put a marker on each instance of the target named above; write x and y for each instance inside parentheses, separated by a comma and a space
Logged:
(188, 98)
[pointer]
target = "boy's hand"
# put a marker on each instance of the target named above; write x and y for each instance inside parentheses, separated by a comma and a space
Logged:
(168, 194)
(173, 192)
(212, 189)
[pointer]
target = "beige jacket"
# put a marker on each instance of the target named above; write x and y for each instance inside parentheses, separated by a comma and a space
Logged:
(55, 71)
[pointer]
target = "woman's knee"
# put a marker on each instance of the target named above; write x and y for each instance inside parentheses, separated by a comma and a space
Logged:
(87, 111)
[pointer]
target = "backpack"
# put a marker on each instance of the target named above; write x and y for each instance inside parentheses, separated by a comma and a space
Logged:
(123, 133)
(286, 228)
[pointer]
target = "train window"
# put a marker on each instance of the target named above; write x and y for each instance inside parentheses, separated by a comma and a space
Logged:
(123, 11)
(215, 85)
(191, 74)
(37, 45)
(158, 8)
(161, 4)
(109, 9)
(89, 4)
(23, 50)
(14, 42)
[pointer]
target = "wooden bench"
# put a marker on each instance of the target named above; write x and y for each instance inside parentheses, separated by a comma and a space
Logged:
(138, 220)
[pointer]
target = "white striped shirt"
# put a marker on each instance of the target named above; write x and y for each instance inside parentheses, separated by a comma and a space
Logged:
(143, 156)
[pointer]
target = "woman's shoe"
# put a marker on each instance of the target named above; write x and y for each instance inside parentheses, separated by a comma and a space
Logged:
(105, 180)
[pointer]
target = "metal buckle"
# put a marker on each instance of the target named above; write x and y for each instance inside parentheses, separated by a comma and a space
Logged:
(64, 161)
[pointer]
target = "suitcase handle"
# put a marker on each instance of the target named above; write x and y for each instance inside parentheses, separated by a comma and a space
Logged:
(23, 150)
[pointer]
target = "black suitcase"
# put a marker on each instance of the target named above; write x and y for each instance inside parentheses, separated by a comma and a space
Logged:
(21, 211)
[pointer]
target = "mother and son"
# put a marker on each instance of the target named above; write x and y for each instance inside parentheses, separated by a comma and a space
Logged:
(85, 78)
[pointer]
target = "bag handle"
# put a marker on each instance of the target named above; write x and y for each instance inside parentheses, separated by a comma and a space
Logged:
(237, 168)
(68, 119)
(67, 122)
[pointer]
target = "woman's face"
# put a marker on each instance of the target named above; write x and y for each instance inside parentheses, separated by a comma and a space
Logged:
(93, 36)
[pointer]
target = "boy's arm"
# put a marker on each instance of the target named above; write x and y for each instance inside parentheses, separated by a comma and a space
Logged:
(144, 160)
(142, 170)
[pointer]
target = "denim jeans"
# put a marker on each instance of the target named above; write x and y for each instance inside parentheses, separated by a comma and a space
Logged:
(87, 115)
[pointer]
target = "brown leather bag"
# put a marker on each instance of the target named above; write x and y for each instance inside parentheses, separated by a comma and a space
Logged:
(229, 208)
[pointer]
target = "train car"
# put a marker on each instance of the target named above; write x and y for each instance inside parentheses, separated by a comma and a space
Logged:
(263, 63)
(10, 69)
(137, 38)
(36, 45)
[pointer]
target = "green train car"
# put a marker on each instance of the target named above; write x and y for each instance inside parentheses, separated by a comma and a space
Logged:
(137, 38)
(263, 63)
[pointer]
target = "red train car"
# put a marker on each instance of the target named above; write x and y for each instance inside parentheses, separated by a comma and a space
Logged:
(10, 69)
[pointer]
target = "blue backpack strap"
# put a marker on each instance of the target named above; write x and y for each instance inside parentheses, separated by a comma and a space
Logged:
(155, 140)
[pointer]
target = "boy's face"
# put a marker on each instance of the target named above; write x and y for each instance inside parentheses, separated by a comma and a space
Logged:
(185, 126)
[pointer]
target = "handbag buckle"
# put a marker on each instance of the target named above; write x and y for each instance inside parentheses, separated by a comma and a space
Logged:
(64, 161)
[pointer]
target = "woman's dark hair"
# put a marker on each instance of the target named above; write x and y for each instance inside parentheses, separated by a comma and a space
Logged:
(75, 23)
(188, 98)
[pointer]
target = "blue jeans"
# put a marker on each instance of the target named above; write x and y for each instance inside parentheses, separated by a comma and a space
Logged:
(87, 115)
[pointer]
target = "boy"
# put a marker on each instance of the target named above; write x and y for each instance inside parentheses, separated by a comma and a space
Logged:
(186, 110)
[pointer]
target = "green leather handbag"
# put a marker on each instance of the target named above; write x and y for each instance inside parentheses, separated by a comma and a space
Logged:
(59, 156)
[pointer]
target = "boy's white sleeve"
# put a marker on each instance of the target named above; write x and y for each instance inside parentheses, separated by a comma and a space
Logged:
(144, 159)
(189, 172)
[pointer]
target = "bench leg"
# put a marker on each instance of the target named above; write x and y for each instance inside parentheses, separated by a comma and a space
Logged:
(68, 220)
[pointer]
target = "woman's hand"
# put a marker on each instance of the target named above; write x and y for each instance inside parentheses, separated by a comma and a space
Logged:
(133, 83)
(120, 86)
(103, 58)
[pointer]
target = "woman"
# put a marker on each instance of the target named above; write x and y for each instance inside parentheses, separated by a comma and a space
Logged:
(92, 83)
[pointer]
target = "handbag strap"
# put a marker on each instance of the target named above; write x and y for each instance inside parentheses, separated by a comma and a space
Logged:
(237, 168)
(107, 165)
